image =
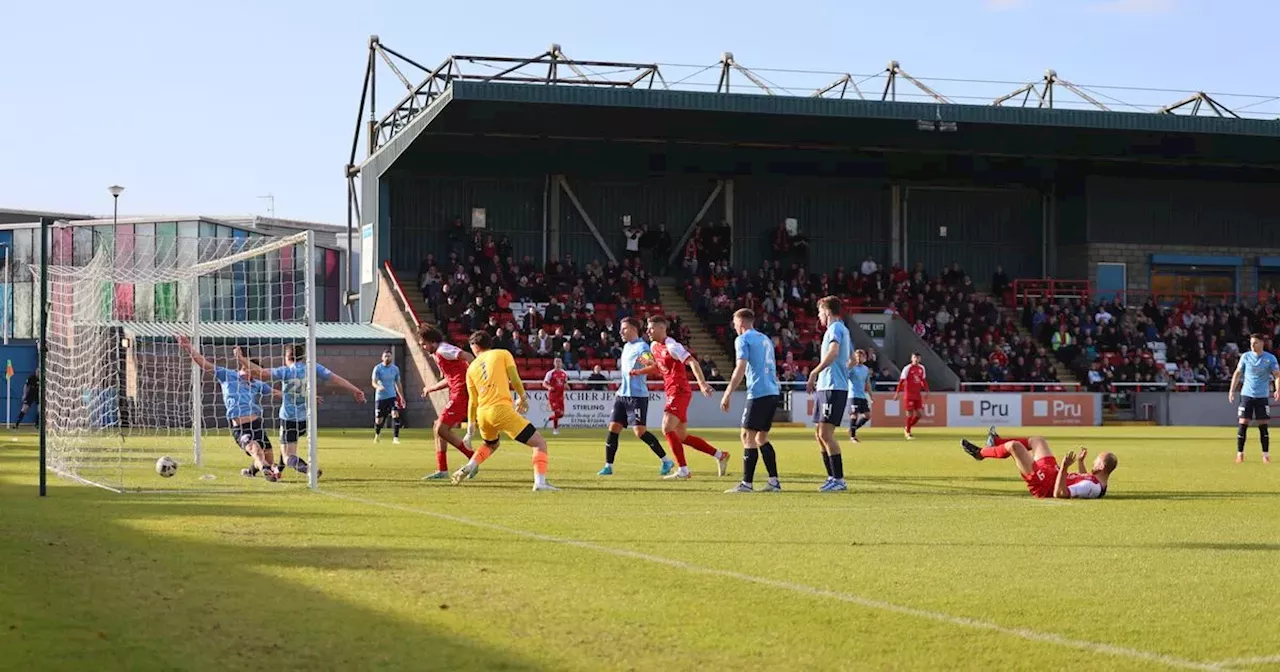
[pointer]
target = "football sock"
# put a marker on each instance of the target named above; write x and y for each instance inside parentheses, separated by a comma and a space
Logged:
(770, 460)
(700, 445)
(395, 427)
(1242, 432)
(677, 448)
(749, 458)
(482, 453)
(1264, 434)
(826, 462)
(442, 460)
(837, 467)
(997, 452)
(555, 422)
(863, 421)
(610, 447)
(377, 429)
(539, 467)
(652, 441)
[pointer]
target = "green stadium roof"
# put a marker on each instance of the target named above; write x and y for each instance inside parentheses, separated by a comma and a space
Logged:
(743, 103)
(326, 332)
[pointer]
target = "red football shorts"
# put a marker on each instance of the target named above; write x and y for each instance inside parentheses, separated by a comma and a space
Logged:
(456, 412)
(1042, 481)
(678, 406)
(914, 404)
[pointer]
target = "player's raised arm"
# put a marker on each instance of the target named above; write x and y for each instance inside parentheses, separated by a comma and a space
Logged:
(255, 372)
(344, 384)
(1060, 489)
(199, 359)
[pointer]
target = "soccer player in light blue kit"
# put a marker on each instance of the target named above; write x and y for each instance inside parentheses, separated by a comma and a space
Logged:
(755, 361)
(240, 395)
(860, 393)
(387, 396)
(830, 379)
(293, 407)
(1259, 369)
(632, 403)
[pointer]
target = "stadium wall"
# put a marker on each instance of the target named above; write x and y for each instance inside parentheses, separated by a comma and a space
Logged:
(1137, 258)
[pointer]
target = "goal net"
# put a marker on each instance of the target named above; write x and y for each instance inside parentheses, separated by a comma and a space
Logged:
(170, 347)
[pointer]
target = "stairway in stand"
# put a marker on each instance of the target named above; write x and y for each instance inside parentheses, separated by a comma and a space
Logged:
(1064, 372)
(702, 340)
(419, 302)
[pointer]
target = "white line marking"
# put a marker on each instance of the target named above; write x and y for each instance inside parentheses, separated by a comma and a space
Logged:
(1022, 633)
(1245, 662)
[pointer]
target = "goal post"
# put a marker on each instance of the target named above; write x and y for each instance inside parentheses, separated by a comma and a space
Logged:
(186, 348)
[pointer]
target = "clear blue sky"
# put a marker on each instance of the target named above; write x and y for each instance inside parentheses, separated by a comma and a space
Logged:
(202, 107)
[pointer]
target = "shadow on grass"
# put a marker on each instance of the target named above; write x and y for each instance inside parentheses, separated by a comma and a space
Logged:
(85, 588)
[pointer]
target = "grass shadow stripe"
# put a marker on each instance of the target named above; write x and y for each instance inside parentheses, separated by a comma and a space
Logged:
(869, 603)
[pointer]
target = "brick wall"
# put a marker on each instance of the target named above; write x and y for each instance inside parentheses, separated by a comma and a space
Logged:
(1137, 258)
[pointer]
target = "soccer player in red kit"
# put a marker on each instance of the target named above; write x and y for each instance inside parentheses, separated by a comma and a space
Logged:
(1040, 470)
(671, 359)
(556, 380)
(915, 383)
(453, 362)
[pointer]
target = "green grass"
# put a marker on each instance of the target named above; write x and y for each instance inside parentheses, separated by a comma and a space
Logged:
(382, 571)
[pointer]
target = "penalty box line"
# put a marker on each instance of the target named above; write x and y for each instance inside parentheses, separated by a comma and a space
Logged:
(869, 603)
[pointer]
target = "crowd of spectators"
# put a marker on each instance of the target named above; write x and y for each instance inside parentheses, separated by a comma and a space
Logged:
(562, 310)
(968, 330)
(1189, 344)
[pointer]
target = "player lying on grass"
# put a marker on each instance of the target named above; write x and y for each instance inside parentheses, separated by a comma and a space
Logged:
(240, 396)
(452, 362)
(293, 407)
(671, 358)
(388, 397)
(490, 379)
(1040, 469)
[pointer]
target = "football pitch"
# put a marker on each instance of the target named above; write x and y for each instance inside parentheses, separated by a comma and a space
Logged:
(931, 561)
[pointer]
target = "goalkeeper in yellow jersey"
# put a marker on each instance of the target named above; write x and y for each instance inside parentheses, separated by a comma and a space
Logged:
(490, 379)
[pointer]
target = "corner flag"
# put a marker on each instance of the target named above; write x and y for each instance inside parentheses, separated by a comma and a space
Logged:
(8, 369)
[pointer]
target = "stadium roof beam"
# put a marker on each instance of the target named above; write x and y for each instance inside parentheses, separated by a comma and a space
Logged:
(1196, 101)
(1043, 91)
(843, 83)
(893, 72)
(549, 67)
(728, 65)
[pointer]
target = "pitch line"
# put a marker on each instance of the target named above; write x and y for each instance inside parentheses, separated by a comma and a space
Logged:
(879, 605)
(1247, 662)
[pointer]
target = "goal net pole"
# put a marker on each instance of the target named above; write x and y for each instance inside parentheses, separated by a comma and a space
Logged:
(197, 382)
(313, 472)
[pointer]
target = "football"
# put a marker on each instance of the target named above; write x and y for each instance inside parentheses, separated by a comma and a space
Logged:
(166, 467)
